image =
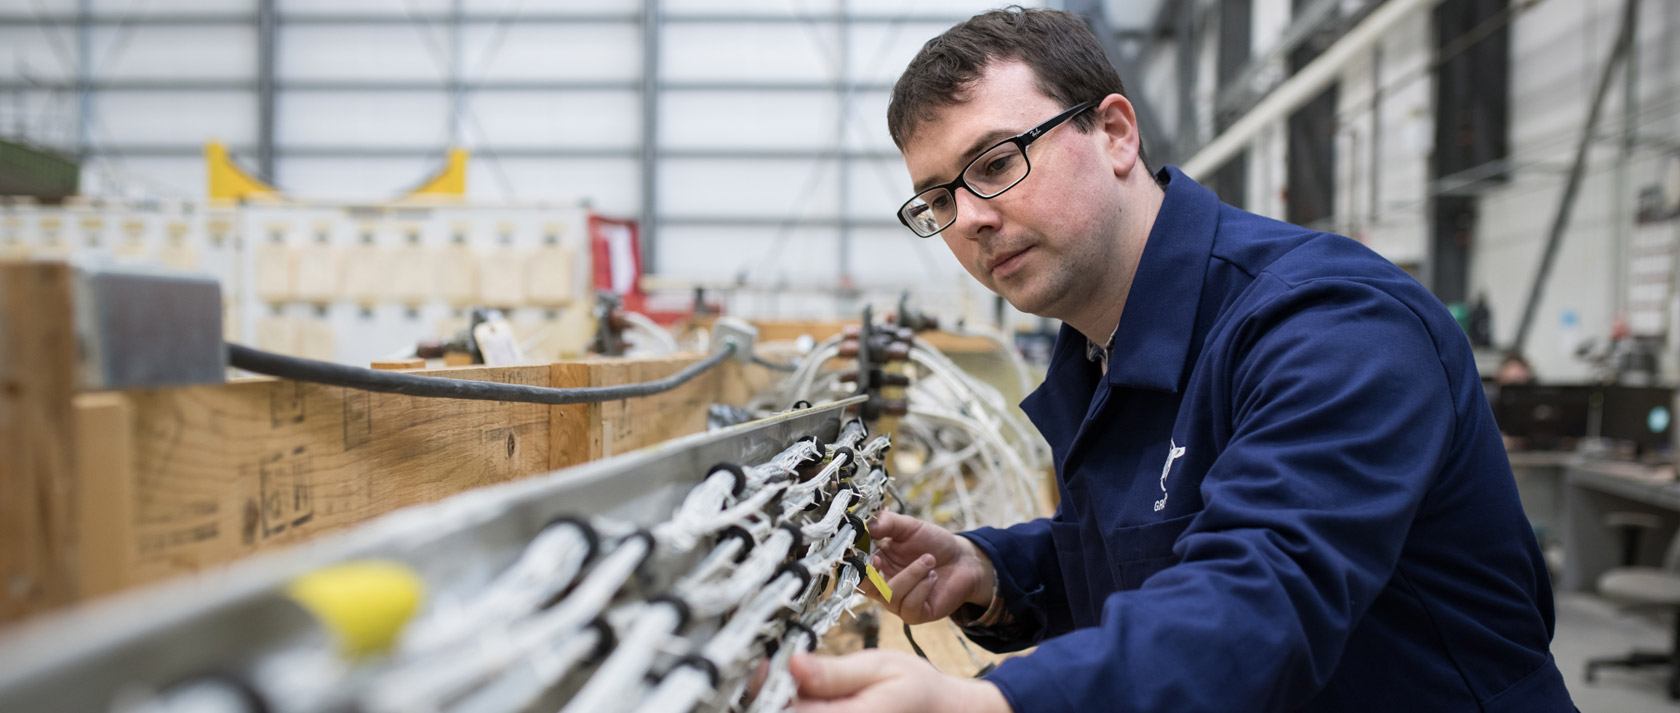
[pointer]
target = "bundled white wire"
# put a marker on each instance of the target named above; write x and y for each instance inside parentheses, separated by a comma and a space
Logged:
(785, 465)
(548, 565)
(428, 683)
(698, 513)
(711, 598)
(659, 341)
(627, 667)
(500, 650)
(831, 519)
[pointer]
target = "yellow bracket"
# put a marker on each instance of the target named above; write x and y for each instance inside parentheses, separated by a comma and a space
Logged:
(451, 182)
(228, 182)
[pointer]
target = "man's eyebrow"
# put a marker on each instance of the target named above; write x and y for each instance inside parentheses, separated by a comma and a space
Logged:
(986, 141)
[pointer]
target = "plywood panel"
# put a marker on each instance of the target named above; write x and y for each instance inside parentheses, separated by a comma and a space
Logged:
(223, 471)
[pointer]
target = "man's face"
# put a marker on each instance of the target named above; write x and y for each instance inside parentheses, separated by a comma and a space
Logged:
(1046, 242)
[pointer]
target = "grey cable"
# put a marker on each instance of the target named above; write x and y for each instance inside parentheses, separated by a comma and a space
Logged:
(354, 377)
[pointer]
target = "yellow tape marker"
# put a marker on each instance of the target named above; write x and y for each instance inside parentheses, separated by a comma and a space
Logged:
(880, 582)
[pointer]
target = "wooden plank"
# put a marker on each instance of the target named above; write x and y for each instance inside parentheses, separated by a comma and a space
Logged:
(568, 426)
(628, 424)
(398, 365)
(37, 468)
(105, 490)
(224, 471)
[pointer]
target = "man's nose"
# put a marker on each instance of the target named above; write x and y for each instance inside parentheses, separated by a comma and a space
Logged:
(975, 215)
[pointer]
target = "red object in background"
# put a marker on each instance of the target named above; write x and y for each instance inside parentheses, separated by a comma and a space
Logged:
(615, 247)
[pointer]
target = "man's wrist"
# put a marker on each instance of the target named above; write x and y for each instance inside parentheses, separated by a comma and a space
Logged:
(985, 585)
(985, 697)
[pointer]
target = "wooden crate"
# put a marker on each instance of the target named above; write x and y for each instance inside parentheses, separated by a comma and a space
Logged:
(104, 491)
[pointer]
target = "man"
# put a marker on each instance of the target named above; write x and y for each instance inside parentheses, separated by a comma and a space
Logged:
(1282, 488)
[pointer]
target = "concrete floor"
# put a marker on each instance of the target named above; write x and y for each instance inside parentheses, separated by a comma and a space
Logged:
(1590, 627)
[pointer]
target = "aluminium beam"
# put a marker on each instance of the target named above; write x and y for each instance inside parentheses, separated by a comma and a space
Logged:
(1303, 87)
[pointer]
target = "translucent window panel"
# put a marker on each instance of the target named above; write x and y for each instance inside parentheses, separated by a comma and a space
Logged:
(146, 117)
(881, 51)
(893, 259)
(144, 177)
(547, 50)
(878, 187)
(362, 52)
(387, 119)
(801, 255)
(610, 186)
(954, 8)
(762, 188)
(569, 118)
(175, 52)
(748, 52)
(173, 7)
(868, 123)
(33, 53)
(45, 118)
(352, 179)
(397, 8)
(553, 7)
(788, 8)
(31, 7)
(690, 119)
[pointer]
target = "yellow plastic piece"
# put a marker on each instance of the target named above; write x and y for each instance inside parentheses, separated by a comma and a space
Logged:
(880, 582)
(364, 604)
(228, 182)
(451, 182)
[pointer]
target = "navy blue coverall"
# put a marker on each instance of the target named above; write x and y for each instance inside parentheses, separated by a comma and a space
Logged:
(1286, 494)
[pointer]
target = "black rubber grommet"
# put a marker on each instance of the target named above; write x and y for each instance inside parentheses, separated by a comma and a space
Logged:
(860, 423)
(810, 634)
(798, 537)
(801, 404)
(652, 544)
(684, 612)
(822, 449)
(736, 470)
(591, 538)
(605, 640)
(799, 571)
(858, 528)
(857, 563)
(704, 664)
(850, 467)
(740, 533)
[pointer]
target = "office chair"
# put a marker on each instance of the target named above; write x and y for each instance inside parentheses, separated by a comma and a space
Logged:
(1644, 586)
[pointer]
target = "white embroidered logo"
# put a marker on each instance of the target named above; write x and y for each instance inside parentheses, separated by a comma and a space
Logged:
(1174, 451)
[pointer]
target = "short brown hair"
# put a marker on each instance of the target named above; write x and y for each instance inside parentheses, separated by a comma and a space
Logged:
(1059, 47)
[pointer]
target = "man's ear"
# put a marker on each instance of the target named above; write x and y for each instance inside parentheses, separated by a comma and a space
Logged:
(1117, 121)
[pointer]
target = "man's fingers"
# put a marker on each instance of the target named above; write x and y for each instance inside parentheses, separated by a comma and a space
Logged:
(914, 605)
(893, 526)
(907, 579)
(828, 677)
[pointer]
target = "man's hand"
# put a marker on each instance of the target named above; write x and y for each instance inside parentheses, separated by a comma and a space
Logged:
(930, 570)
(880, 681)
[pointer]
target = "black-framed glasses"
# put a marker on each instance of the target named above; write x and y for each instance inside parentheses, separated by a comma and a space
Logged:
(994, 171)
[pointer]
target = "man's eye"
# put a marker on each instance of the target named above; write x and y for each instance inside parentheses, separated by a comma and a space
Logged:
(1000, 164)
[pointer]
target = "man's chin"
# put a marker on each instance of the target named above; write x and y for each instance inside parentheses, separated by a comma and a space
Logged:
(1026, 301)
